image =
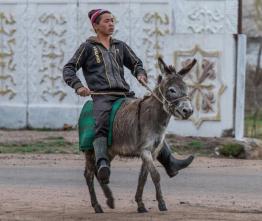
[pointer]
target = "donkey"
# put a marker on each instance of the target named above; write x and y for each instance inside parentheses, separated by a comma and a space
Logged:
(139, 131)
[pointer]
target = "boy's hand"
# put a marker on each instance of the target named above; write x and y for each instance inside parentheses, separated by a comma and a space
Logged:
(142, 79)
(83, 91)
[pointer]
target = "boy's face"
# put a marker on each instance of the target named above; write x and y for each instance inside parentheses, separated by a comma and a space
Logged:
(106, 26)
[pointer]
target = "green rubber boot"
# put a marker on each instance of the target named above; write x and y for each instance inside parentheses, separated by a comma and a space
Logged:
(102, 161)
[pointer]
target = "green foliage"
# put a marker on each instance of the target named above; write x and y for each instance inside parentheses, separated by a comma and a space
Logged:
(232, 150)
(195, 144)
(196, 147)
(253, 127)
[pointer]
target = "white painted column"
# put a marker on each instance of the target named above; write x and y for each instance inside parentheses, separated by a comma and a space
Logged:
(240, 87)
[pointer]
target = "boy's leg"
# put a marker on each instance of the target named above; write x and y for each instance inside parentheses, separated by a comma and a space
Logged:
(101, 113)
(170, 163)
(102, 161)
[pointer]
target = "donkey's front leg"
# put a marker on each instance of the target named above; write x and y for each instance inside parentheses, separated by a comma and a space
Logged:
(148, 160)
(140, 187)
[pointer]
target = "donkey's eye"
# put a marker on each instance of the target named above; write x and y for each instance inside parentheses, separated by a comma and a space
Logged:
(172, 90)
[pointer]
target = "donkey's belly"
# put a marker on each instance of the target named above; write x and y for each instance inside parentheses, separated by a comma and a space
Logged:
(127, 148)
(124, 151)
(125, 143)
(125, 137)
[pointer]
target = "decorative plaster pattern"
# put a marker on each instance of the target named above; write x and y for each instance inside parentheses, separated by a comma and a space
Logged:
(156, 28)
(52, 40)
(205, 83)
(205, 20)
(258, 13)
(7, 65)
(209, 16)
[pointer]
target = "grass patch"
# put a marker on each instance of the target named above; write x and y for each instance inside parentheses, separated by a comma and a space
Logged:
(48, 145)
(196, 147)
(252, 130)
(195, 144)
(232, 150)
(203, 146)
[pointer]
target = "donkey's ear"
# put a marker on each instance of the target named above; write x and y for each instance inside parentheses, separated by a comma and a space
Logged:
(187, 68)
(163, 67)
(159, 79)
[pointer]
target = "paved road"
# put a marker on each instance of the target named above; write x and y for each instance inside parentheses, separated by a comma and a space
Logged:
(208, 183)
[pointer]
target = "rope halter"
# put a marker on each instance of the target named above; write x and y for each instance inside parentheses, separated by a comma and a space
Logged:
(169, 103)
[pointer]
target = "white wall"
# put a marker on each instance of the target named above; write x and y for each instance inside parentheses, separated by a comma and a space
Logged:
(40, 36)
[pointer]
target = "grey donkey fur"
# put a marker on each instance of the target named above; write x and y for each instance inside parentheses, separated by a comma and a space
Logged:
(151, 117)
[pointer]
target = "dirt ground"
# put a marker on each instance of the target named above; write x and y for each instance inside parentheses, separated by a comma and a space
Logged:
(52, 187)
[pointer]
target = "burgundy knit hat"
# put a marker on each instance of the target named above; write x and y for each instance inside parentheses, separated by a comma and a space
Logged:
(95, 13)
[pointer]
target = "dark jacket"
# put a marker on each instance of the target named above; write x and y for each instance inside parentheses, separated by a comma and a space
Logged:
(103, 68)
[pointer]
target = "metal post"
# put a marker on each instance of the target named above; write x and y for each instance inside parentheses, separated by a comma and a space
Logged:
(240, 86)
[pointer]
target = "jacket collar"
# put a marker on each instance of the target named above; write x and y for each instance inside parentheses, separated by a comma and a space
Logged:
(94, 40)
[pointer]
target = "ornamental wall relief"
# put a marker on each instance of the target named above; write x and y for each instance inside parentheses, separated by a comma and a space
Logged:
(156, 28)
(208, 16)
(258, 13)
(52, 42)
(205, 84)
(205, 20)
(7, 44)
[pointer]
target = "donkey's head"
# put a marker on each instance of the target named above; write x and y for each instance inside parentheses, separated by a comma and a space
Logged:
(173, 90)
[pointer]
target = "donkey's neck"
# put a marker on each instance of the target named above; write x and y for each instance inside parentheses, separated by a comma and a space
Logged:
(158, 116)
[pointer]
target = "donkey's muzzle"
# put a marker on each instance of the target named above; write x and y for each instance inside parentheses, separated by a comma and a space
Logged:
(187, 112)
(185, 109)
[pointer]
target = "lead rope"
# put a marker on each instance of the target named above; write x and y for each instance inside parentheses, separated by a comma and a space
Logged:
(168, 102)
(108, 93)
(152, 92)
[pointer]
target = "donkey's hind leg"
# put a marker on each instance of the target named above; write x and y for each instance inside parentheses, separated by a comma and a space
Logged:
(140, 187)
(108, 194)
(148, 160)
(89, 176)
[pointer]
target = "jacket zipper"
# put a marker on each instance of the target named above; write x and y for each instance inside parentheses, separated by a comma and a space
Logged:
(105, 68)
(113, 73)
(114, 58)
(112, 70)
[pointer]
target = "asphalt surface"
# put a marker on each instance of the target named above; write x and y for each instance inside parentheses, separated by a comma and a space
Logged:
(201, 180)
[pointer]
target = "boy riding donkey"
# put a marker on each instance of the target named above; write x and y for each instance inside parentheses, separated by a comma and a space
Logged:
(102, 59)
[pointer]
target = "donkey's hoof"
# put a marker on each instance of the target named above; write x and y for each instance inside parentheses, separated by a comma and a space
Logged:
(111, 203)
(98, 208)
(142, 210)
(162, 206)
